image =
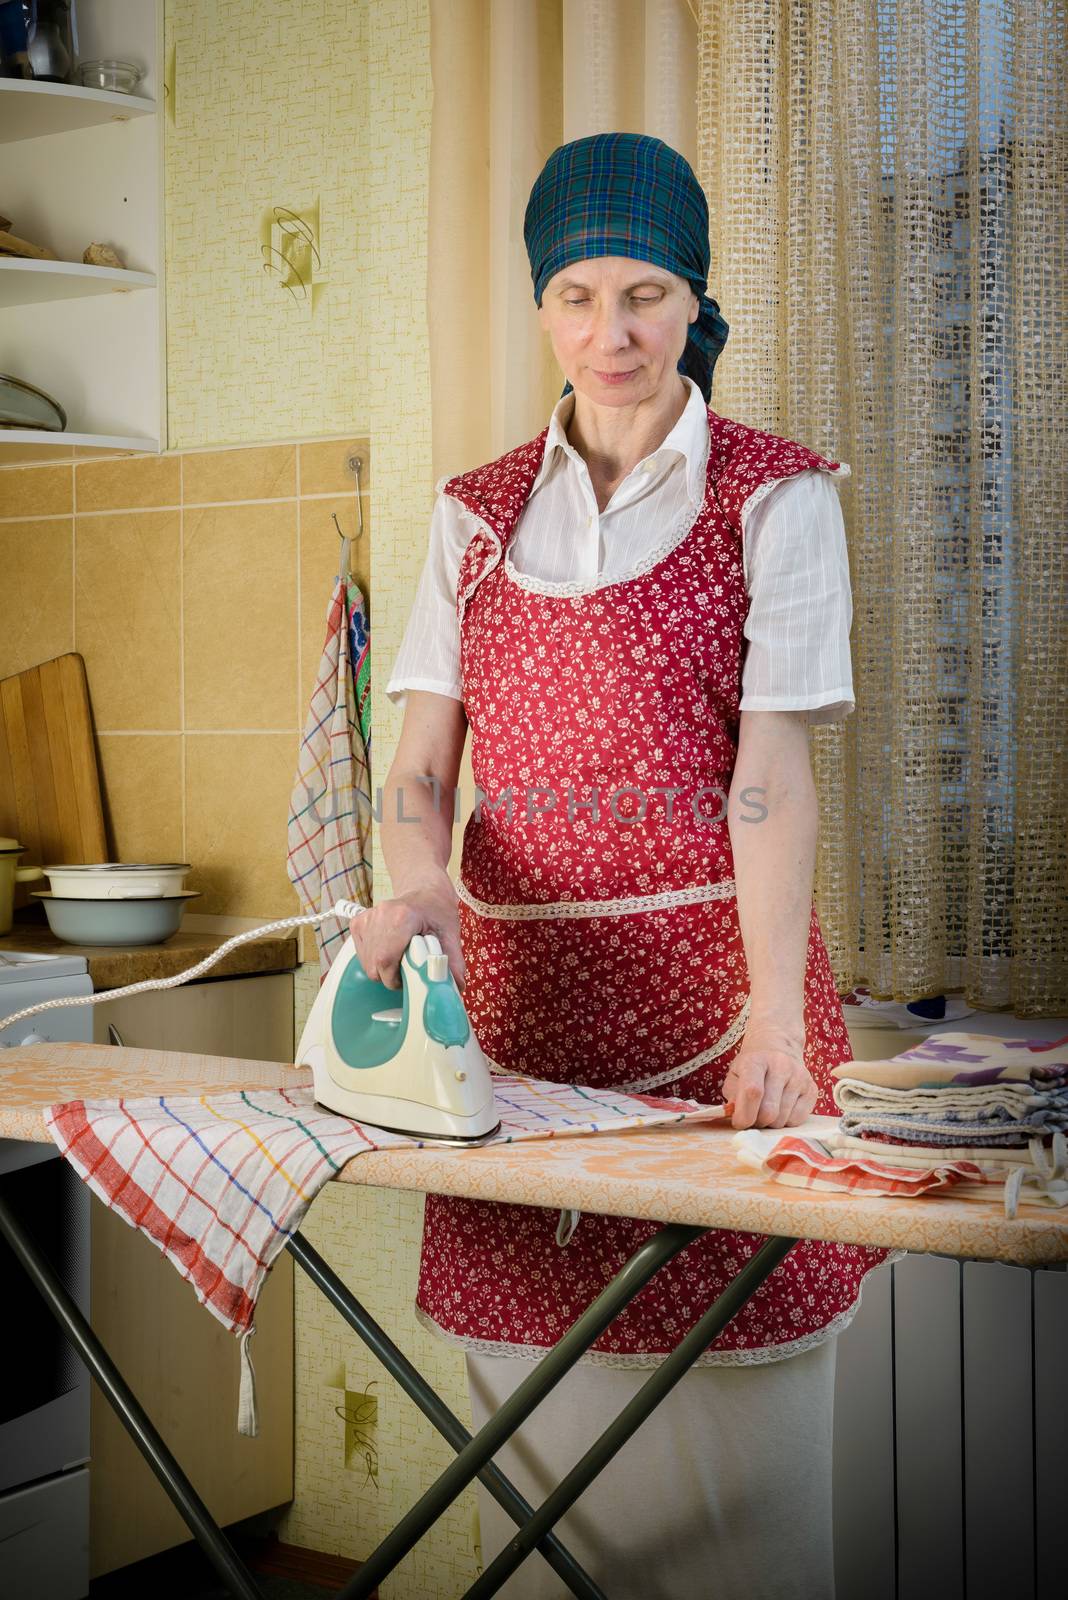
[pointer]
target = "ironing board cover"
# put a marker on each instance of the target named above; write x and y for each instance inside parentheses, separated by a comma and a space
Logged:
(603, 946)
(329, 829)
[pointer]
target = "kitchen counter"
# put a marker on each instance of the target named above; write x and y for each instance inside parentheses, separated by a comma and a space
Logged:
(113, 966)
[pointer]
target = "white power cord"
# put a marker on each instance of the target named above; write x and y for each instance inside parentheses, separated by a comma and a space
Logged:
(344, 910)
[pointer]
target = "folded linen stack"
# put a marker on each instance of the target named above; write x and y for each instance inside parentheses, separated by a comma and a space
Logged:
(1001, 1104)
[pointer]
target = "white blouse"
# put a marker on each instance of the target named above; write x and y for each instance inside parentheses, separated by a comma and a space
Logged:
(793, 554)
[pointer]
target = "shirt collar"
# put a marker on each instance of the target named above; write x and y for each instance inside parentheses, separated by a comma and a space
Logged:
(688, 438)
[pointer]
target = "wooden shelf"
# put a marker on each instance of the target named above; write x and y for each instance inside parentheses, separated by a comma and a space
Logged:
(29, 109)
(38, 444)
(24, 280)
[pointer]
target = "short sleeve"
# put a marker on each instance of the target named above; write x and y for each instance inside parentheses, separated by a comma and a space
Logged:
(800, 602)
(429, 655)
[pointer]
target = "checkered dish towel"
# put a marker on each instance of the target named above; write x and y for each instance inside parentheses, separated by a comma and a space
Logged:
(220, 1182)
(329, 830)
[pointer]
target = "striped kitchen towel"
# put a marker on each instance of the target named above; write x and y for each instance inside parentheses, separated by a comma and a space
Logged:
(219, 1182)
(329, 827)
(825, 1158)
(805, 1162)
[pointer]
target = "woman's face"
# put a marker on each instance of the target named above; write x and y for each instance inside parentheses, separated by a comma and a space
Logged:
(618, 327)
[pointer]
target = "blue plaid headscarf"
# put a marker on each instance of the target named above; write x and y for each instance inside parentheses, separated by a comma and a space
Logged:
(627, 194)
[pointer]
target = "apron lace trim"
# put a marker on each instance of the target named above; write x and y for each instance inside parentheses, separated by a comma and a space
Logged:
(583, 586)
(481, 527)
(693, 894)
(757, 1356)
(656, 1080)
(729, 1037)
(842, 470)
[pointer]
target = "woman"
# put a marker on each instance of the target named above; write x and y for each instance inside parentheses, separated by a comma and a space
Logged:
(636, 629)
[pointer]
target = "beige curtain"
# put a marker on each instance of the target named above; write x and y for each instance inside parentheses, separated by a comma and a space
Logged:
(888, 194)
(512, 80)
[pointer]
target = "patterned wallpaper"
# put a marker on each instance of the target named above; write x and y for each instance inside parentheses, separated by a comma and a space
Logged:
(297, 146)
(269, 225)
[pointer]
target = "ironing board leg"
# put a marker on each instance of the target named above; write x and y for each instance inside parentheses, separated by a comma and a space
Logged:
(218, 1549)
(434, 1408)
(634, 1413)
(643, 1265)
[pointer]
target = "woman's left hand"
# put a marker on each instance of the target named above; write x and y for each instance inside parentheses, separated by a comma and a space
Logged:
(769, 1083)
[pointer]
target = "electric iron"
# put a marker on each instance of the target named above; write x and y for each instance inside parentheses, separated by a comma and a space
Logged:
(414, 1068)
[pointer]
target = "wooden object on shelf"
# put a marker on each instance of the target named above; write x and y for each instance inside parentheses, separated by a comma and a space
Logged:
(11, 245)
(50, 798)
(101, 255)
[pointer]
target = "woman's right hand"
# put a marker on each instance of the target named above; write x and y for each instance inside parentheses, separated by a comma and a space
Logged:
(382, 933)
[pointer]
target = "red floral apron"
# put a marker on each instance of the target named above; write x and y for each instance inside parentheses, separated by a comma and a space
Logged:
(598, 918)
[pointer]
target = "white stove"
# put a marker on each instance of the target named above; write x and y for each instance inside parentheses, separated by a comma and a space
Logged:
(26, 978)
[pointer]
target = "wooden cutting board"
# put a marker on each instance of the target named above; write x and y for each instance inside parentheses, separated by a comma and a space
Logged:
(49, 784)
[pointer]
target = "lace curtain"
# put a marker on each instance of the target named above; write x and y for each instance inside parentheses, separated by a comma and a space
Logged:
(888, 189)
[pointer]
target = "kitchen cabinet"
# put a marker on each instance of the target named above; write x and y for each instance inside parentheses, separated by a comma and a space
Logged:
(85, 166)
(181, 1363)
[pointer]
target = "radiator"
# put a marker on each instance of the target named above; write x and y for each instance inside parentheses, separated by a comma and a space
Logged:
(951, 1406)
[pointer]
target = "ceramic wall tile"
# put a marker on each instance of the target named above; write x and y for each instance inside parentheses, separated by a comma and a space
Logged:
(237, 789)
(240, 617)
(141, 779)
(36, 491)
(36, 607)
(324, 466)
(122, 483)
(127, 608)
(213, 476)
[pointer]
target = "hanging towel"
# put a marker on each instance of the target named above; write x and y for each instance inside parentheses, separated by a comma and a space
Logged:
(329, 831)
(360, 664)
(220, 1182)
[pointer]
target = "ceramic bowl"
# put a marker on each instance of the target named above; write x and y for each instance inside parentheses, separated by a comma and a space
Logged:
(114, 922)
(117, 880)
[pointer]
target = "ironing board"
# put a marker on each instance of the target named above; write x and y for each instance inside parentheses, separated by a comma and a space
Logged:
(685, 1178)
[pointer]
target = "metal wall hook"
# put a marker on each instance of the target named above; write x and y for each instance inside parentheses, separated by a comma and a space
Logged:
(353, 464)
